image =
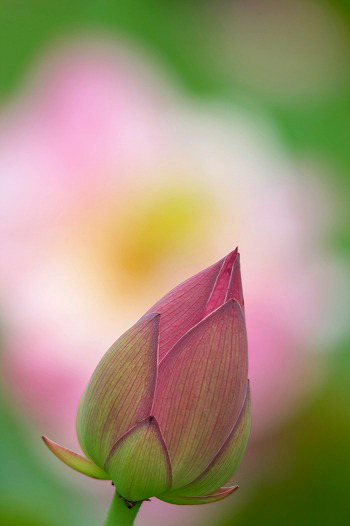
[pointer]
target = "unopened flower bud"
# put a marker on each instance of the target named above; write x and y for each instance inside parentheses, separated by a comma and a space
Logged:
(167, 410)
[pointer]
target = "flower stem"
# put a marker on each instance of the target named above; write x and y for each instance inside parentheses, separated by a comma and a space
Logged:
(119, 514)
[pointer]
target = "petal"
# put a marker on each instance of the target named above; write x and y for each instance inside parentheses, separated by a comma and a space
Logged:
(224, 283)
(75, 461)
(200, 391)
(121, 390)
(139, 463)
(207, 499)
(235, 291)
(185, 305)
(225, 463)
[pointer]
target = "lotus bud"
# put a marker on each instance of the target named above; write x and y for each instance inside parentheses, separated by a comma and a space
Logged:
(167, 410)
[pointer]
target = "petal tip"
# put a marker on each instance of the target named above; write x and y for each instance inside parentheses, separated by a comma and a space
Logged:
(234, 303)
(75, 461)
(231, 257)
(151, 317)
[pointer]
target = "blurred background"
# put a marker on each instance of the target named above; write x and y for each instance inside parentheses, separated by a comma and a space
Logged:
(139, 143)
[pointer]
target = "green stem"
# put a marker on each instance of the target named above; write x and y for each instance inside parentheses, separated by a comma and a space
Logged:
(119, 514)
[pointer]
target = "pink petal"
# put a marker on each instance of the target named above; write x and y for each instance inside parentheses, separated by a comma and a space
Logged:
(225, 284)
(186, 304)
(120, 391)
(75, 461)
(235, 290)
(200, 391)
(207, 499)
(225, 463)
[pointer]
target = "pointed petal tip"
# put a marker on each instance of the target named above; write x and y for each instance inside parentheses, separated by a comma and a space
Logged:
(77, 462)
(231, 256)
(151, 316)
(231, 303)
(228, 282)
(234, 303)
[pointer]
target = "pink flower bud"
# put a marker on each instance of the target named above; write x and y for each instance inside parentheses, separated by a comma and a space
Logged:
(167, 410)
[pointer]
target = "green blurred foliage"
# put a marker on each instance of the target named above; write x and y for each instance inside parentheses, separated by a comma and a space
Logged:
(29, 494)
(308, 481)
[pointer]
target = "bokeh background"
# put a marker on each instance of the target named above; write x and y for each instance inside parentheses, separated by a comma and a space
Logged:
(139, 143)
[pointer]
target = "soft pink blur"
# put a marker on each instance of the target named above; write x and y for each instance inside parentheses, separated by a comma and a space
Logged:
(115, 188)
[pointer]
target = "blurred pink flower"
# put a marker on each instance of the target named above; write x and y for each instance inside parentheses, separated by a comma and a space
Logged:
(113, 184)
